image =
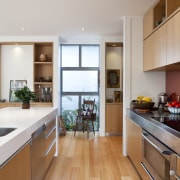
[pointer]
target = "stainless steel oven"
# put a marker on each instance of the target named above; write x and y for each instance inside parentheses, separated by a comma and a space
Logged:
(158, 160)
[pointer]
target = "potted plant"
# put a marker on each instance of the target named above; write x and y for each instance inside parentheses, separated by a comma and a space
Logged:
(25, 95)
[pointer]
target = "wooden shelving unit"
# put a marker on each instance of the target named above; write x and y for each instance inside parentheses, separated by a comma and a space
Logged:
(43, 72)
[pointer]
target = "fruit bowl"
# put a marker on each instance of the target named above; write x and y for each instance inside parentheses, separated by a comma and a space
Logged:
(141, 105)
(174, 110)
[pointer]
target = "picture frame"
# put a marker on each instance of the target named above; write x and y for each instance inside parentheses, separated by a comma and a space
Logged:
(113, 78)
(15, 85)
(117, 96)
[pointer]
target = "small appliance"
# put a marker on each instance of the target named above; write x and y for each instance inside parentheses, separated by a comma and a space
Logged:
(163, 99)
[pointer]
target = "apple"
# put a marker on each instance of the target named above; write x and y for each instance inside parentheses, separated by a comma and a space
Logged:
(174, 104)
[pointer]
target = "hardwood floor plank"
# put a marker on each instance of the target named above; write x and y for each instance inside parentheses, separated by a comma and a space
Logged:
(96, 158)
(75, 173)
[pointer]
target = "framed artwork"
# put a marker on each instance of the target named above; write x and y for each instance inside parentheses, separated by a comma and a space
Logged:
(15, 85)
(113, 78)
(117, 96)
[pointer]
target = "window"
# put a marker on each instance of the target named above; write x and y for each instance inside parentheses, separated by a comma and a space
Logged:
(79, 80)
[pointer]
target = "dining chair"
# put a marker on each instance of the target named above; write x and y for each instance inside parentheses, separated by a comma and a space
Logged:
(85, 117)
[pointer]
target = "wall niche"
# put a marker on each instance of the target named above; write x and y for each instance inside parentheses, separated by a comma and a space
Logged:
(114, 64)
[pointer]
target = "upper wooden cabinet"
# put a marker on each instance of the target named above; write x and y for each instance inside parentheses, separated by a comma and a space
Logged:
(158, 14)
(162, 47)
(155, 50)
(173, 39)
(159, 47)
(148, 53)
(43, 71)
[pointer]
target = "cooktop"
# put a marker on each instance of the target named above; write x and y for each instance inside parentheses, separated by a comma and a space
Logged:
(172, 121)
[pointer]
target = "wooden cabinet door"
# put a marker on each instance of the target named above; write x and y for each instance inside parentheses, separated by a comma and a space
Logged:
(148, 53)
(173, 39)
(159, 55)
(134, 146)
(178, 166)
(114, 118)
(18, 167)
(155, 49)
(148, 22)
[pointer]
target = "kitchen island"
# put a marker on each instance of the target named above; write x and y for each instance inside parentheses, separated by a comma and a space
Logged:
(26, 121)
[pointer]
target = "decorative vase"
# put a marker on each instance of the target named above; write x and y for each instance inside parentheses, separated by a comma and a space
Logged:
(26, 105)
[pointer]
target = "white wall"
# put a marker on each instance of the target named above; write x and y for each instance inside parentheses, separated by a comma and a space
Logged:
(55, 40)
(136, 82)
(16, 64)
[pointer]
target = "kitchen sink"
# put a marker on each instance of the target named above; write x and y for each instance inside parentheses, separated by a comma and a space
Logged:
(4, 131)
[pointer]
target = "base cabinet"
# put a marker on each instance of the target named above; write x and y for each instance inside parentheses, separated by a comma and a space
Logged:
(134, 146)
(114, 118)
(19, 167)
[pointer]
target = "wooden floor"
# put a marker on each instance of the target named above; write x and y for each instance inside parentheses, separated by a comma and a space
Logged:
(96, 158)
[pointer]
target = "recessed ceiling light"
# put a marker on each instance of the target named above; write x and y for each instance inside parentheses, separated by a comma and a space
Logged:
(82, 28)
(22, 28)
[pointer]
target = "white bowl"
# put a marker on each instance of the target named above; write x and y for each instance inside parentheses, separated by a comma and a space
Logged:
(174, 110)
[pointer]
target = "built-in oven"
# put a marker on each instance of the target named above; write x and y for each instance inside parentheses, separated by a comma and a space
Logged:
(160, 162)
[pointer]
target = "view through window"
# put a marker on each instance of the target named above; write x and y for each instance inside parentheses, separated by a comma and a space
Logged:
(79, 80)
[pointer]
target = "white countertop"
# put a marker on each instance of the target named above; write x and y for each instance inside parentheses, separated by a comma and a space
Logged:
(26, 121)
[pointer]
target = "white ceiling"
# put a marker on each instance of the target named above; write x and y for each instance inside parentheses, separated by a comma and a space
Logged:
(65, 18)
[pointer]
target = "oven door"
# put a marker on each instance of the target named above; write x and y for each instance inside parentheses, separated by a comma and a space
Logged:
(156, 158)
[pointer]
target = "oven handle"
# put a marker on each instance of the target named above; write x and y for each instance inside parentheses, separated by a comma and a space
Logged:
(156, 144)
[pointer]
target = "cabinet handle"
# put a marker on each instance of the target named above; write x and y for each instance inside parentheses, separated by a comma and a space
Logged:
(173, 173)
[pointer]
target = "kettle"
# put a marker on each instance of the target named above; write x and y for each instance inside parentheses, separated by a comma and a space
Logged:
(163, 98)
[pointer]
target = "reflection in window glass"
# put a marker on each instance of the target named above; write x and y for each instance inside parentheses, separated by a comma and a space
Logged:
(69, 110)
(90, 56)
(70, 56)
(80, 81)
(70, 102)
